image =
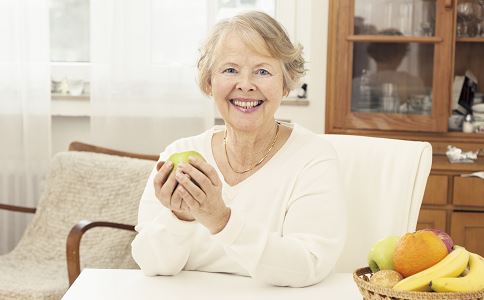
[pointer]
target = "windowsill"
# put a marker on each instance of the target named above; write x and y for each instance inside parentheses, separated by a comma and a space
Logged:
(79, 106)
(295, 102)
(69, 97)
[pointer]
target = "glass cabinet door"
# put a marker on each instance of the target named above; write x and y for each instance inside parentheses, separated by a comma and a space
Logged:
(393, 78)
(397, 64)
(469, 64)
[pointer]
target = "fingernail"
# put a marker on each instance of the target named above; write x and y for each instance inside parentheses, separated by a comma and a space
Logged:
(181, 165)
(169, 163)
(192, 159)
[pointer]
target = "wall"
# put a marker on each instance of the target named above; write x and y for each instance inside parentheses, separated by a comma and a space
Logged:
(310, 29)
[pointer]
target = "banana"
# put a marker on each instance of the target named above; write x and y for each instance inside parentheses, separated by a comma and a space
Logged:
(451, 266)
(472, 282)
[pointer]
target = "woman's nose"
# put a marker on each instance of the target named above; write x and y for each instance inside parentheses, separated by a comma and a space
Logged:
(245, 84)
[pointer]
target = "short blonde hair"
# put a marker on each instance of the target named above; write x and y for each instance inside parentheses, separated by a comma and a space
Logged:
(260, 32)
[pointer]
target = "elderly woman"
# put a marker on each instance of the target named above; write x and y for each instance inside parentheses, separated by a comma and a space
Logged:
(267, 202)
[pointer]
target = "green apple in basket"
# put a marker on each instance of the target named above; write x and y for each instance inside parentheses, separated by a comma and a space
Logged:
(380, 256)
(182, 157)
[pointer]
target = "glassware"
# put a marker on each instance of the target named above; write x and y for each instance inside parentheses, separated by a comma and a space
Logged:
(55, 86)
(394, 64)
(410, 17)
(420, 104)
(480, 24)
(465, 11)
(476, 18)
(365, 89)
(426, 29)
(390, 99)
(87, 88)
(76, 86)
(468, 126)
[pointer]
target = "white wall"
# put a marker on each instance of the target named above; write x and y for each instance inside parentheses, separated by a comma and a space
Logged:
(310, 29)
(68, 129)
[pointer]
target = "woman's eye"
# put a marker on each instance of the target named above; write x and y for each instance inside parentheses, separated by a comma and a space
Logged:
(262, 72)
(230, 70)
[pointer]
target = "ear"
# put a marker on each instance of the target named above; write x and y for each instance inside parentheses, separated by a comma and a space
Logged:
(208, 88)
(285, 92)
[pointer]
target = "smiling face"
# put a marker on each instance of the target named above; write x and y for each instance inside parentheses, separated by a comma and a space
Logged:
(247, 86)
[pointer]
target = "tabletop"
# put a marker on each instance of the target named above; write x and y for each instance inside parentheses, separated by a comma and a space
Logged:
(121, 284)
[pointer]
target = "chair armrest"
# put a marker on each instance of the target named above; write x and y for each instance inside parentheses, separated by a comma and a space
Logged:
(18, 208)
(74, 242)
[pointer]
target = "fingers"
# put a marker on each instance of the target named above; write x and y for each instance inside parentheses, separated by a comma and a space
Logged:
(176, 200)
(159, 165)
(191, 188)
(169, 192)
(189, 201)
(206, 169)
(165, 183)
(199, 179)
(169, 186)
(164, 170)
(184, 206)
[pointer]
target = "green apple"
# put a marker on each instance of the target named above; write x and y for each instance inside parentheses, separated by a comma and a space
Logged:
(380, 256)
(182, 157)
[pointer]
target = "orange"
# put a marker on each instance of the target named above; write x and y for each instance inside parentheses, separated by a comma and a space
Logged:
(418, 251)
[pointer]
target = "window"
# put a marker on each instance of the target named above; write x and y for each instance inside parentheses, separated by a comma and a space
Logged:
(69, 30)
(228, 8)
(70, 36)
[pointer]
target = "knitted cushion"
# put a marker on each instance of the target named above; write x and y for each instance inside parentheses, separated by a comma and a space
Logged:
(79, 186)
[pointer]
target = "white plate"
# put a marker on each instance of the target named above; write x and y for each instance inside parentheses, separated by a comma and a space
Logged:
(478, 108)
(478, 117)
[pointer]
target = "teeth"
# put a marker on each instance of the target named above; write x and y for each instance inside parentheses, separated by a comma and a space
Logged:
(246, 104)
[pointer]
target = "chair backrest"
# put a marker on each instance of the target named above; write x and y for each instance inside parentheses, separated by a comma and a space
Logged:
(384, 181)
(87, 186)
(84, 147)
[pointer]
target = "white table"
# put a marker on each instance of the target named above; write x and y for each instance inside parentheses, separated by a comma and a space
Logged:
(132, 284)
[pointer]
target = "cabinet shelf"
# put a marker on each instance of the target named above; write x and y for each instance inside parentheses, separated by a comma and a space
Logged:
(394, 39)
(471, 40)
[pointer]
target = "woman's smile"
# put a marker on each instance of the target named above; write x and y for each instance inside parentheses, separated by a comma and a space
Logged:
(246, 105)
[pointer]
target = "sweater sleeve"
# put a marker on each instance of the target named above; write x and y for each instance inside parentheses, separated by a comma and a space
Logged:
(162, 245)
(312, 234)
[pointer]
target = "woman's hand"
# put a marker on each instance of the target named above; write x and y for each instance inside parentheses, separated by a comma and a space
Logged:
(201, 189)
(168, 191)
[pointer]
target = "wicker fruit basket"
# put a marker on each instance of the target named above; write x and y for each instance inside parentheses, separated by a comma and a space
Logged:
(374, 292)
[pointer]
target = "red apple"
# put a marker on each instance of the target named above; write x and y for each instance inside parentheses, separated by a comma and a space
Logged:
(449, 243)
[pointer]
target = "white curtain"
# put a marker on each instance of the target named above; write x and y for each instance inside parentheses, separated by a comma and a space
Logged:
(24, 110)
(144, 93)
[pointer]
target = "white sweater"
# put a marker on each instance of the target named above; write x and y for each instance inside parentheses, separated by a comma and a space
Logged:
(287, 225)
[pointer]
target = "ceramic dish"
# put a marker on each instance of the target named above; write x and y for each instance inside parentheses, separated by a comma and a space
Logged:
(478, 108)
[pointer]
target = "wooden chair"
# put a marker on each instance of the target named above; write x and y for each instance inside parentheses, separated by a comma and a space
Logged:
(87, 187)
(76, 233)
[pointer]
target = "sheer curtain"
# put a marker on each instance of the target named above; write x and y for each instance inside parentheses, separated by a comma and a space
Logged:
(143, 73)
(24, 110)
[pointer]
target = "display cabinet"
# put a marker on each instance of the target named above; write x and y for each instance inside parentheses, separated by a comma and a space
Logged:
(454, 203)
(396, 69)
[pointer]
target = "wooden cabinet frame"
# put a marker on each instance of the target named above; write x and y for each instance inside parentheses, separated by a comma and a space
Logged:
(340, 61)
(442, 207)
